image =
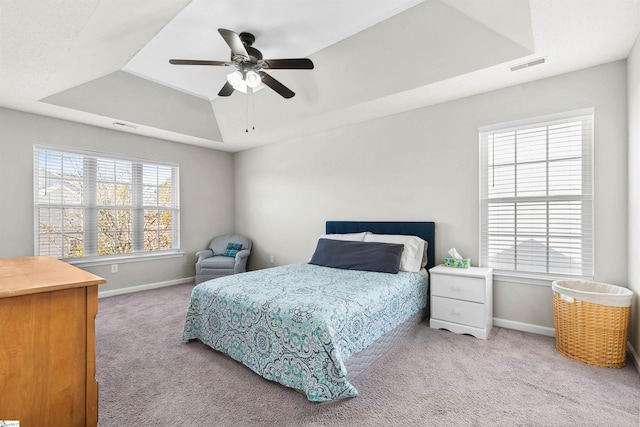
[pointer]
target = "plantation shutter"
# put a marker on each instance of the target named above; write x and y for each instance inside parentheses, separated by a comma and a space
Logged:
(536, 196)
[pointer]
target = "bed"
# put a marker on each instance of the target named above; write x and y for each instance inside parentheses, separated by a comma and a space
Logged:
(308, 326)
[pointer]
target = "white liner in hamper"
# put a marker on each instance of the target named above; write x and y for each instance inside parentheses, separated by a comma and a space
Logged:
(593, 292)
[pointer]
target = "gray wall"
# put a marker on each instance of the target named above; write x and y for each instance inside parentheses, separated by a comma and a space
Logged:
(420, 165)
(634, 194)
(206, 191)
(423, 165)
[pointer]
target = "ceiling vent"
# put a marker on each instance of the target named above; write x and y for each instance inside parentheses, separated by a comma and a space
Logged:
(121, 125)
(528, 64)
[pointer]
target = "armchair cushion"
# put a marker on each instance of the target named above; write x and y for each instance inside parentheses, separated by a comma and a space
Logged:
(232, 249)
(218, 262)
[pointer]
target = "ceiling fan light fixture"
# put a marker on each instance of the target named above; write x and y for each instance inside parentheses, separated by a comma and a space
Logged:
(236, 79)
(253, 79)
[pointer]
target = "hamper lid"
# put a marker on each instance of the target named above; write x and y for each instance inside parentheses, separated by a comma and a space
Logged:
(594, 292)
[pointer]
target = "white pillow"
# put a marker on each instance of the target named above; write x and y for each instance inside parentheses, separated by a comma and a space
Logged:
(356, 237)
(414, 256)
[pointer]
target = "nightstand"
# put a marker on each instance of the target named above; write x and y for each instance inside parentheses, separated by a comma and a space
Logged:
(462, 300)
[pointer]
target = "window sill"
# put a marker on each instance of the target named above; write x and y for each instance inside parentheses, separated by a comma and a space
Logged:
(532, 279)
(121, 259)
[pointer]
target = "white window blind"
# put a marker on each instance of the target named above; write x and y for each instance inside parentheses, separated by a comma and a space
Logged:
(536, 196)
(91, 205)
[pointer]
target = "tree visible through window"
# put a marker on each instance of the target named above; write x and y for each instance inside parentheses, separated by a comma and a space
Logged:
(89, 205)
(536, 196)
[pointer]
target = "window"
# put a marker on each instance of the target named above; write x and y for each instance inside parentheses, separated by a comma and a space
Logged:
(89, 205)
(536, 197)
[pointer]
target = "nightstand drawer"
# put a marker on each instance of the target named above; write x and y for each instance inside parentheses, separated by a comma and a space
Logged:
(456, 311)
(458, 287)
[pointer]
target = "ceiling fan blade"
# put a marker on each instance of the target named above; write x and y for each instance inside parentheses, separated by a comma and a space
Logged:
(289, 64)
(198, 62)
(226, 90)
(234, 42)
(284, 91)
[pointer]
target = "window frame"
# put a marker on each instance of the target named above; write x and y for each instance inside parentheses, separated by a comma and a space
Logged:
(89, 206)
(586, 197)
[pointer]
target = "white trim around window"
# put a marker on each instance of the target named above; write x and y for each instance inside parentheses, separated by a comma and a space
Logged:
(536, 198)
(95, 208)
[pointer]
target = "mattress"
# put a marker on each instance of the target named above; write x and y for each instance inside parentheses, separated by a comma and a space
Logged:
(299, 324)
(360, 361)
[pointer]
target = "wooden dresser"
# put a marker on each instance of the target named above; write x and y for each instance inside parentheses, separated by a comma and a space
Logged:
(47, 343)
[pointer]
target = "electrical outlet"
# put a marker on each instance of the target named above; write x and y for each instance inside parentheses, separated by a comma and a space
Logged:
(272, 259)
(114, 268)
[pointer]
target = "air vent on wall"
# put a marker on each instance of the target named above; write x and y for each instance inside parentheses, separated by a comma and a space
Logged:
(528, 64)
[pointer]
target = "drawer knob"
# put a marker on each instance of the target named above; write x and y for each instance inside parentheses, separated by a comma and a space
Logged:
(456, 312)
(455, 288)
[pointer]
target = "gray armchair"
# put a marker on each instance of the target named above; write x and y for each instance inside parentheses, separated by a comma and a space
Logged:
(212, 263)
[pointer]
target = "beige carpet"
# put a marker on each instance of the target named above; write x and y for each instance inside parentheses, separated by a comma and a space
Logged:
(148, 377)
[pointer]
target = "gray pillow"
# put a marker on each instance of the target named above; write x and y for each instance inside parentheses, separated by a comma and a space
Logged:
(350, 255)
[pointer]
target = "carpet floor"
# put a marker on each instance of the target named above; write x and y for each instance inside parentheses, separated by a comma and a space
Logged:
(148, 377)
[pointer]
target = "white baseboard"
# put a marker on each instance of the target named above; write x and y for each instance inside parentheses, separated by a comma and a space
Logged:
(145, 287)
(634, 356)
(525, 327)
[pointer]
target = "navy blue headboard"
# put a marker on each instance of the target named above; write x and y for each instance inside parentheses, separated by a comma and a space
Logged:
(424, 230)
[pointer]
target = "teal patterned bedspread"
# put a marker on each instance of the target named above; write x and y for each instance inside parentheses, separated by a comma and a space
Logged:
(297, 324)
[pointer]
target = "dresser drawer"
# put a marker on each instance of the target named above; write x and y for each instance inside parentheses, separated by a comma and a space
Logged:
(456, 311)
(458, 287)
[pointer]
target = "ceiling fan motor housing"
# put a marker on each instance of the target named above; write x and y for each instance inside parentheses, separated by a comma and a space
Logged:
(247, 40)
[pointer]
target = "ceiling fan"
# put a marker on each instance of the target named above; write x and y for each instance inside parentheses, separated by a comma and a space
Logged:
(249, 66)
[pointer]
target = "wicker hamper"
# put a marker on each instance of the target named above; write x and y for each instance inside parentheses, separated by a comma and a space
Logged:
(591, 321)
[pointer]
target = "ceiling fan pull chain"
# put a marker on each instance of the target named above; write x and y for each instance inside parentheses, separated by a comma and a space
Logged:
(253, 111)
(246, 116)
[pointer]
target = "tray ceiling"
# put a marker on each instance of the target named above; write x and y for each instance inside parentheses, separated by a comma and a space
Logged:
(98, 62)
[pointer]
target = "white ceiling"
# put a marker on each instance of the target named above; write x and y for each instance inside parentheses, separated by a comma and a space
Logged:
(293, 29)
(100, 62)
